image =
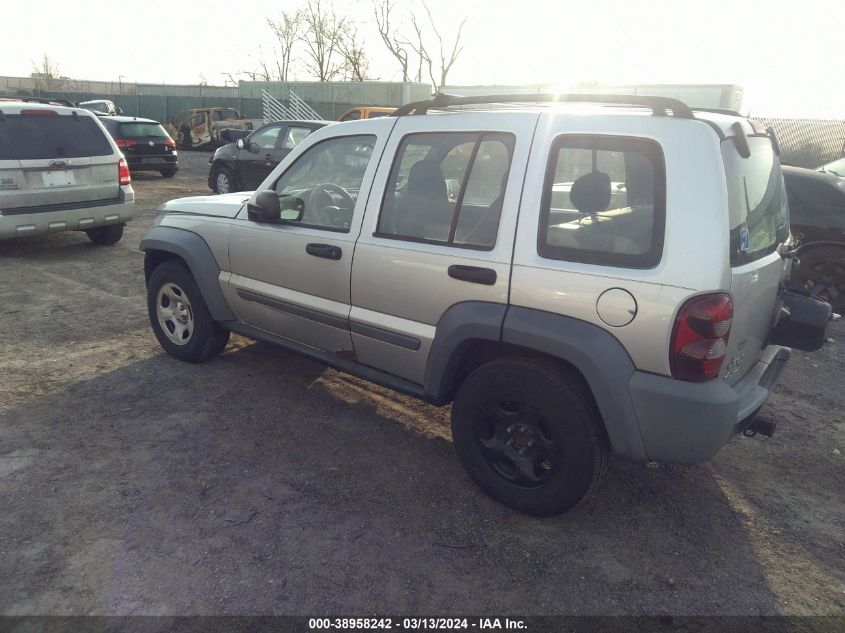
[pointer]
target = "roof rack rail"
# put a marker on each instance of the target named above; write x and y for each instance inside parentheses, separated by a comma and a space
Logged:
(46, 101)
(719, 111)
(659, 105)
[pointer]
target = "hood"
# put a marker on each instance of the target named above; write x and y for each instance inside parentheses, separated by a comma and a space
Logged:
(222, 206)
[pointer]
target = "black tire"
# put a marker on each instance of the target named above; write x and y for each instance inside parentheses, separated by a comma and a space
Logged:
(105, 235)
(223, 172)
(821, 273)
(207, 338)
(542, 412)
(168, 173)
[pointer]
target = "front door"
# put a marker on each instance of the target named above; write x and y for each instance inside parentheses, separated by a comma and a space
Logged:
(292, 278)
(259, 156)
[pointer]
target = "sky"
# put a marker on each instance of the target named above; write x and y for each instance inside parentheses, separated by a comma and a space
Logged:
(784, 55)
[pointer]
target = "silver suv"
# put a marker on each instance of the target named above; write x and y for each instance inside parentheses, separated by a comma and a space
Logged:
(60, 170)
(598, 278)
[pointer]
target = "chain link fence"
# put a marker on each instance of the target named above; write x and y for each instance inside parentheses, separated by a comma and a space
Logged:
(807, 142)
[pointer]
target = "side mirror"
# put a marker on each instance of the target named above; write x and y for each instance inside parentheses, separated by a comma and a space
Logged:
(266, 207)
(119, 110)
(241, 143)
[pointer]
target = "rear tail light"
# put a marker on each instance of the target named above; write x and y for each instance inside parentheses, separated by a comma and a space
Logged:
(700, 337)
(125, 142)
(123, 176)
(170, 143)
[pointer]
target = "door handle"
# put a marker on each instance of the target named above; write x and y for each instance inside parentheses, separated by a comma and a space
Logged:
(473, 274)
(327, 251)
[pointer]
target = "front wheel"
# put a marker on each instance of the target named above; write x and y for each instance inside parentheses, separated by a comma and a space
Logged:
(223, 181)
(527, 434)
(179, 316)
(105, 235)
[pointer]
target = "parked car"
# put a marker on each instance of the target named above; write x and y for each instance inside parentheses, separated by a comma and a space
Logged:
(145, 144)
(61, 171)
(102, 107)
(817, 209)
(365, 113)
(244, 164)
(837, 167)
(199, 127)
(564, 317)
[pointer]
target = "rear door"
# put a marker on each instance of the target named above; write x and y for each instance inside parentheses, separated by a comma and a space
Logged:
(759, 222)
(439, 231)
(48, 158)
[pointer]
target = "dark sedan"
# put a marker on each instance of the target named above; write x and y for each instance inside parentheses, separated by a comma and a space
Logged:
(145, 144)
(244, 164)
(817, 217)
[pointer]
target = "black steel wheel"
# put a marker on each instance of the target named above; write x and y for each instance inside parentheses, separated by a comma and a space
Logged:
(527, 433)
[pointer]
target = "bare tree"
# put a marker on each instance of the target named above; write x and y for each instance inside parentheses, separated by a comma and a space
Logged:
(287, 30)
(438, 69)
(322, 36)
(395, 44)
(46, 74)
(355, 61)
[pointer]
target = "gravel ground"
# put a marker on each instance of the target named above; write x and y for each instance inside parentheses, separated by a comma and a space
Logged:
(261, 482)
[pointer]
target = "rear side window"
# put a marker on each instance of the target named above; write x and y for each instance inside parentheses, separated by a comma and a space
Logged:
(136, 130)
(447, 188)
(759, 209)
(27, 137)
(604, 201)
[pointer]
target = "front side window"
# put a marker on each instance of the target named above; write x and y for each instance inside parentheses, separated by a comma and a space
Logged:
(759, 207)
(447, 188)
(197, 120)
(266, 138)
(324, 182)
(294, 136)
(604, 201)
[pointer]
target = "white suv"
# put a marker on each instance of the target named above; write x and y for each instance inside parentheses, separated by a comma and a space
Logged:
(60, 170)
(596, 279)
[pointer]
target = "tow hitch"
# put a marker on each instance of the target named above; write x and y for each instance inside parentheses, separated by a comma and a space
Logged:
(761, 425)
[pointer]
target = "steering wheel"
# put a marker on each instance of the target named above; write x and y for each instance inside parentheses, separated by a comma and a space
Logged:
(326, 210)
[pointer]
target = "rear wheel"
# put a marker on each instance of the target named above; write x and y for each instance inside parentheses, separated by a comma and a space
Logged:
(223, 180)
(105, 235)
(179, 316)
(168, 173)
(822, 274)
(528, 435)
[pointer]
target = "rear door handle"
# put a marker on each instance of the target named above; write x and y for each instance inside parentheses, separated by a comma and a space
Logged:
(327, 251)
(473, 274)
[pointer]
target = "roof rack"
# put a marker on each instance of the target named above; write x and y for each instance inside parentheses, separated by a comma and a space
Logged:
(659, 105)
(719, 111)
(44, 100)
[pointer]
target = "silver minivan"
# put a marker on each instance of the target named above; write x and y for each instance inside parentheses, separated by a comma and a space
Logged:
(60, 170)
(596, 280)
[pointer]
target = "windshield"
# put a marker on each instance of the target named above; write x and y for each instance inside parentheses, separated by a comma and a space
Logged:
(97, 106)
(135, 130)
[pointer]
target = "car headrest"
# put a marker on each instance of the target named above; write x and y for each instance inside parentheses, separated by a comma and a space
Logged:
(426, 180)
(591, 192)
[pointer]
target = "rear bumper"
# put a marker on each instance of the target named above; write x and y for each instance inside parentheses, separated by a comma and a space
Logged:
(40, 221)
(152, 163)
(687, 423)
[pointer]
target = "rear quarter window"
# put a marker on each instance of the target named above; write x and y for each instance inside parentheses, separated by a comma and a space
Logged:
(26, 137)
(604, 201)
(757, 200)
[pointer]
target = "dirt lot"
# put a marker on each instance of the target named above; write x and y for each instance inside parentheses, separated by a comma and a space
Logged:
(263, 483)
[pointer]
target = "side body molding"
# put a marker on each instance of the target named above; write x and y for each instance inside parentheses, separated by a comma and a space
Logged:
(200, 260)
(597, 354)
